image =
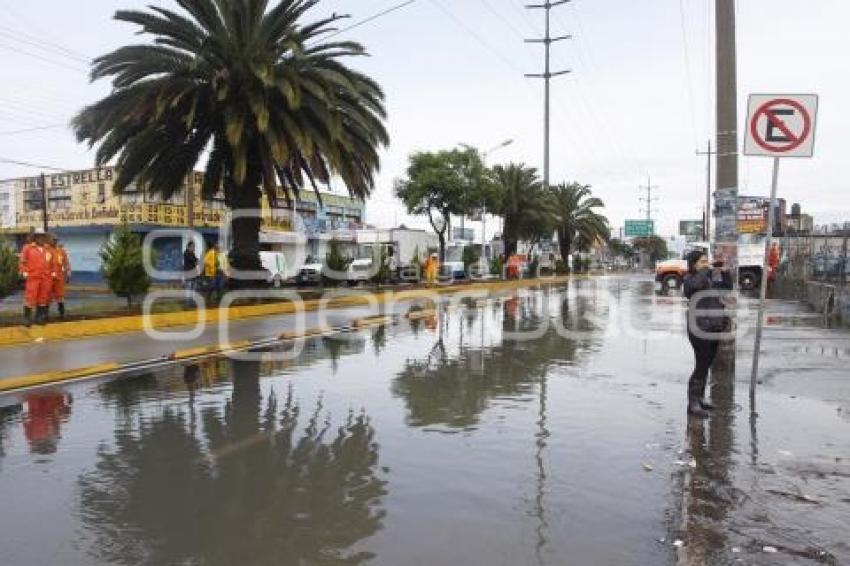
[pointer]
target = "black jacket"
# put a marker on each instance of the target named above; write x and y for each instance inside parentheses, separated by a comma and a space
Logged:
(704, 281)
(190, 261)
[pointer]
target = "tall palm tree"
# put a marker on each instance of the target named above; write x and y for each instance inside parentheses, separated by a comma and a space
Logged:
(523, 203)
(578, 220)
(252, 84)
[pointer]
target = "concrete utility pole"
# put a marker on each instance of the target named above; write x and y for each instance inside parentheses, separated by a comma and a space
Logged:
(727, 109)
(706, 225)
(648, 199)
(547, 76)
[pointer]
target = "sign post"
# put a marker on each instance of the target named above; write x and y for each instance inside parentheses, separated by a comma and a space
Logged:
(777, 126)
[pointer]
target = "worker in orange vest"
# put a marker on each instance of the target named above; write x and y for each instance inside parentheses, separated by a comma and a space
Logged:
(61, 274)
(36, 267)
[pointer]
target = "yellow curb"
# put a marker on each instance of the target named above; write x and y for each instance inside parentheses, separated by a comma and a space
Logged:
(54, 376)
(19, 335)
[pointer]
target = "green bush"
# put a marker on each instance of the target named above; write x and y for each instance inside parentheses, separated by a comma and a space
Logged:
(335, 260)
(9, 276)
(123, 267)
(561, 267)
(496, 266)
(470, 256)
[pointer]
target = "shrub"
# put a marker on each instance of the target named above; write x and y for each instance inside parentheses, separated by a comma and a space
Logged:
(9, 276)
(123, 267)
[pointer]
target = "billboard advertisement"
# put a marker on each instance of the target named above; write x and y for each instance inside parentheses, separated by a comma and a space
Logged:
(692, 230)
(753, 215)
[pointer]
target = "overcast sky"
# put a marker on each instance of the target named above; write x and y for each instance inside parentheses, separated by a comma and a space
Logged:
(637, 104)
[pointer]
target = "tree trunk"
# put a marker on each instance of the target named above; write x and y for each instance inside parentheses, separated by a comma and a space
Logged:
(441, 237)
(245, 249)
(564, 244)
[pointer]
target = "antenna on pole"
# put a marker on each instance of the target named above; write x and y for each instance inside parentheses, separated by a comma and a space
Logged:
(547, 75)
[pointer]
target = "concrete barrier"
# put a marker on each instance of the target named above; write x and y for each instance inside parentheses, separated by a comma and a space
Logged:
(830, 300)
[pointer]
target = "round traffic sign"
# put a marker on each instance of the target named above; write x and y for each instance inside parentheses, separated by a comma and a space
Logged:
(794, 136)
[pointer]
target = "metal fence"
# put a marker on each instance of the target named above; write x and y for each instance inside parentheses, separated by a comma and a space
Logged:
(821, 256)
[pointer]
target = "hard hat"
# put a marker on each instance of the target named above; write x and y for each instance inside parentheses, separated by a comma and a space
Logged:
(39, 231)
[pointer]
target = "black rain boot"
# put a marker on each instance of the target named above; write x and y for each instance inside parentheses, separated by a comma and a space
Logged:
(695, 408)
(61, 307)
(41, 316)
(27, 316)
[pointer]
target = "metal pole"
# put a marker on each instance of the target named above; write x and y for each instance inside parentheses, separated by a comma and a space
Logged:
(768, 244)
(547, 77)
(707, 223)
(44, 202)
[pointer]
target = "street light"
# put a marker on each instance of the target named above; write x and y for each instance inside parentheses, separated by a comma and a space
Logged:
(483, 258)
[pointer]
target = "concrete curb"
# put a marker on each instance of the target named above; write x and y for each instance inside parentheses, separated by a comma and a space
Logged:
(20, 335)
(114, 368)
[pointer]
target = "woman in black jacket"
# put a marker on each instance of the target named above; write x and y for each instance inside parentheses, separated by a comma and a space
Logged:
(701, 277)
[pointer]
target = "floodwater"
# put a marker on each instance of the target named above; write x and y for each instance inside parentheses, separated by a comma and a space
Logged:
(541, 427)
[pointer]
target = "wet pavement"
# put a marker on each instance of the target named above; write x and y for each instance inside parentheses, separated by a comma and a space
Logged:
(540, 427)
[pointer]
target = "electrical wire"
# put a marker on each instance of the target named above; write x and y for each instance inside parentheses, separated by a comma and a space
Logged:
(33, 165)
(33, 129)
(43, 58)
(371, 18)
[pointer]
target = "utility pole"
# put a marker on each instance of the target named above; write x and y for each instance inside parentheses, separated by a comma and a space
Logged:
(648, 199)
(547, 75)
(727, 115)
(706, 225)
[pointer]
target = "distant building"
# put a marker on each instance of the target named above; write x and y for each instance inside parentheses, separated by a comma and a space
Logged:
(83, 210)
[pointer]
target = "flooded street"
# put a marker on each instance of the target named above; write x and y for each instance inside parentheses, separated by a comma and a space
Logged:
(542, 427)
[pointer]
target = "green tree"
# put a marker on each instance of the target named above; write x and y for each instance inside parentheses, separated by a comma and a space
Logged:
(253, 83)
(579, 224)
(619, 248)
(8, 268)
(442, 184)
(524, 204)
(336, 261)
(654, 246)
(123, 266)
(470, 256)
(383, 273)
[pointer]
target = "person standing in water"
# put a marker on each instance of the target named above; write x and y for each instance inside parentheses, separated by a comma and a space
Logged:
(704, 328)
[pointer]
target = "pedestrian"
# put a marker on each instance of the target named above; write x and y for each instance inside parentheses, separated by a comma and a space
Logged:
(61, 274)
(704, 329)
(190, 271)
(432, 270)
(36, 267)
(213, 276)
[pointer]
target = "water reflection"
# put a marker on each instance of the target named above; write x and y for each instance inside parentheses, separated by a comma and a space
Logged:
(453, 390)
(263, 483)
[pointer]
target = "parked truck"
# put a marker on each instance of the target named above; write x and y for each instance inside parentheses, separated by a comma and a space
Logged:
(671, 274)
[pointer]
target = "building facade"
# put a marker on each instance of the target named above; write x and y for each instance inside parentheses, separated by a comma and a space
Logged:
(83, 210)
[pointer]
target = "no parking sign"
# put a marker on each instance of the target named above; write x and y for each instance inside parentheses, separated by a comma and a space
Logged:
(781, 125)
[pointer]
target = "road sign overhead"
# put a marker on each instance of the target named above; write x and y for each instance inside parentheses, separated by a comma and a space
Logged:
(781, 125)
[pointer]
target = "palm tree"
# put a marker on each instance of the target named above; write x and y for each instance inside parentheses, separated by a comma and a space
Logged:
(578, 220)
(251, 84)
(524, 204)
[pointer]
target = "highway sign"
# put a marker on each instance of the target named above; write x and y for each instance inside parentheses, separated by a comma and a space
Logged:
(781, 125)
(639, 228)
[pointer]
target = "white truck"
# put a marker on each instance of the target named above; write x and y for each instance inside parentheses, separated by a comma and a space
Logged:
(671, 273)
(402, 246)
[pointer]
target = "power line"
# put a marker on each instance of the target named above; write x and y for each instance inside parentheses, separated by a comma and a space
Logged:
(33, 165)
(33, 129)
(9, 33)
(42, 58)
(371, 18)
